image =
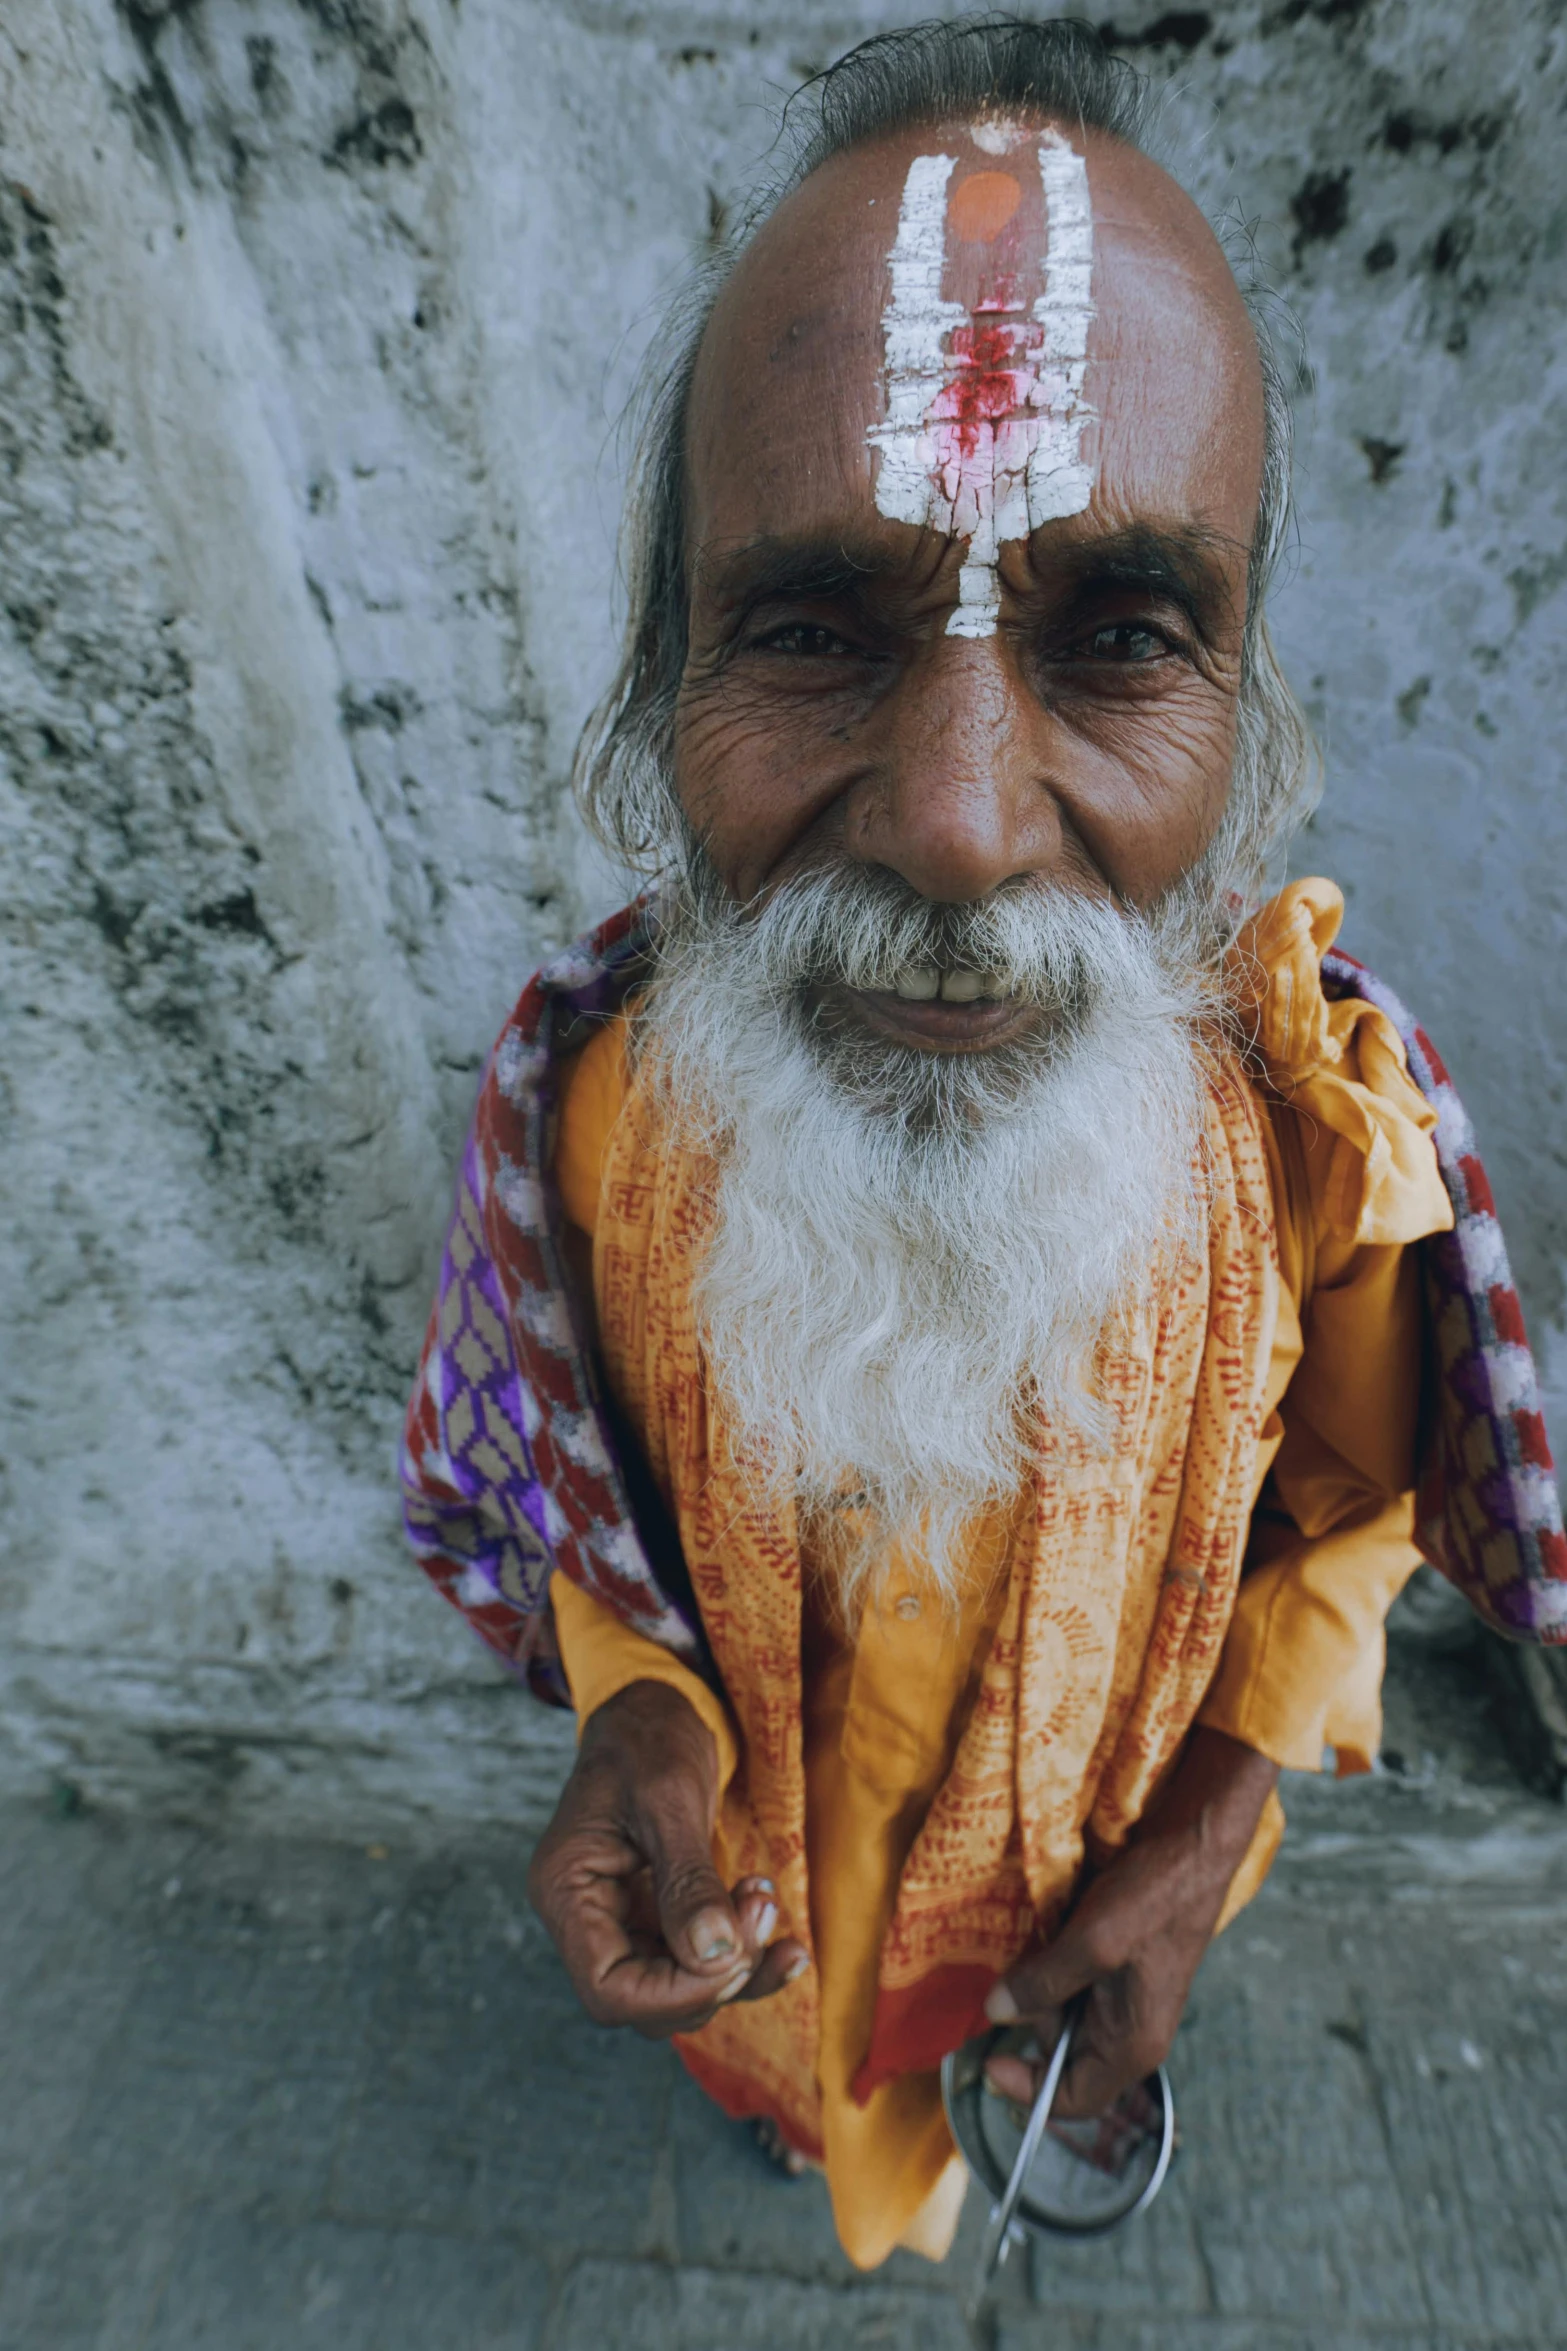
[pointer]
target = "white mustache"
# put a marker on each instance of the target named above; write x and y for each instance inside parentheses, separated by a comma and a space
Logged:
(864, 928)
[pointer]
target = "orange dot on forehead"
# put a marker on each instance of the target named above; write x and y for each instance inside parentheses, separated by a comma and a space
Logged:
(982, 205)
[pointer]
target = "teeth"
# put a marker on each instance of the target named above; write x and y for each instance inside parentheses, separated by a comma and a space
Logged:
(919, 982)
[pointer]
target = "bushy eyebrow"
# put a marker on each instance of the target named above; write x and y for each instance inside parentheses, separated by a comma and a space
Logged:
(787, 570)
(1181, 564)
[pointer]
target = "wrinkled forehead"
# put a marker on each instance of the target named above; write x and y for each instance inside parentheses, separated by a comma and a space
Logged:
(791, 395)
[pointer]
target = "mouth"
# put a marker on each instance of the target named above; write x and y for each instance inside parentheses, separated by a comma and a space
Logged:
(956, 1010)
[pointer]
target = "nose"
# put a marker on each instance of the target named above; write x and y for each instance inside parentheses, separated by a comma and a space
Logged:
(958, 800)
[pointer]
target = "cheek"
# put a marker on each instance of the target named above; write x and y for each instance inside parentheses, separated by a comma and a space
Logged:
(743, 784)
(1151, 788)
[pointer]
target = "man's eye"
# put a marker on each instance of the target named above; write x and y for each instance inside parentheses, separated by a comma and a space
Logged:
(807, 638)
(1125, 640)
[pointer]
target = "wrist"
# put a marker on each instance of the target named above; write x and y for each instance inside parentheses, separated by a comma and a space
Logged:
(649, 1732)
(1239, 1780)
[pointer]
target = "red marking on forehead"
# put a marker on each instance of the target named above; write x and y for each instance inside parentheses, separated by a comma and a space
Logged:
(993, 377)
(981, 206)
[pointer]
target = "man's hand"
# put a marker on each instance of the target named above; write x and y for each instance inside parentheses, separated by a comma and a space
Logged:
(1135, 1938)
(624, 1879)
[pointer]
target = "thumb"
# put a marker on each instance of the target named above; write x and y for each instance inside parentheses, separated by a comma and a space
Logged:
(1042, 1982)
(695, 1914)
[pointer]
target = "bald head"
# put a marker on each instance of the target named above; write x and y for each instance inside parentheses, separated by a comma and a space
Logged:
(792, 383)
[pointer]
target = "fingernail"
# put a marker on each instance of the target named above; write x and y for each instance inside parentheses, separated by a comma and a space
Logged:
(765, 1886)
(734, 1985)
(797, 1967)
(1001, 2008)
(767, 1919)
(711, 1936)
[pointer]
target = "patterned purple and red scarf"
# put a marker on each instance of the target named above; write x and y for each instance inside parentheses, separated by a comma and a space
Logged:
(514, 1466)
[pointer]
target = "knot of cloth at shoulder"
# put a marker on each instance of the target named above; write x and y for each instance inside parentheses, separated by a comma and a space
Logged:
(1340, 1067)
(1276, 983)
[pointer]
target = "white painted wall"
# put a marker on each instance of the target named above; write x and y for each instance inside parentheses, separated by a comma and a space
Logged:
(313, 316)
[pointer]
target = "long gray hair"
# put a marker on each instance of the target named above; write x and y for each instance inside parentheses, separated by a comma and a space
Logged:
(925, 73)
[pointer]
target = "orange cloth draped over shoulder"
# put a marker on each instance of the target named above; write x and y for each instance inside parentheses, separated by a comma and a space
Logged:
(925, 1794)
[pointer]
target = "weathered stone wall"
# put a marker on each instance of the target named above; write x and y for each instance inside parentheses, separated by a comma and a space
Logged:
(313, 316)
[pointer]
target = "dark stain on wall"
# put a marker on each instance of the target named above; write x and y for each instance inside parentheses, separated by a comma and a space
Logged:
(1381, 456)
(1319, 208)
(1343, 12)
(385, 135)
(1178, 28)
(1406, 130)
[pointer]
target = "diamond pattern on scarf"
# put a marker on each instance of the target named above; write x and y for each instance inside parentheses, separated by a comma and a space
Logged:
(1487, 1510)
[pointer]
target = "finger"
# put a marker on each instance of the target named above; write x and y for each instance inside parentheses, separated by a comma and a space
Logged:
(1040, 1984)
(695, 1915)
(1095, 2083)
(1112, 2048)
(755, 1903)
(1017, 2072)
(1015, 2078)
(657, 2007)
(622, 1972)
(779, 1965)
(1088, 2086)
(649, 1991)
(776, 1963)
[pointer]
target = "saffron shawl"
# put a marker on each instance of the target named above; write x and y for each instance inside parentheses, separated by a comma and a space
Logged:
(514, 1468)
(1121, 1584)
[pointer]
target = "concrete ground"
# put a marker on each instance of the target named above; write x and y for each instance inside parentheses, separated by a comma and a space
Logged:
(263, 2097)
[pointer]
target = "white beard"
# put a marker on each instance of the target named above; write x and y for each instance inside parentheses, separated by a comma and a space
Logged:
(917, 1258)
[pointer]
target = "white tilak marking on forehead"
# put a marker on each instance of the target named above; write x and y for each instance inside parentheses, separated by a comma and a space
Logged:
(998, 137)
(1058, 481)
(984, 414)
(915, 325)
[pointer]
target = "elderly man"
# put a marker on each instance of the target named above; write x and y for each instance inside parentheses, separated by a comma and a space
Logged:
(931, 1345)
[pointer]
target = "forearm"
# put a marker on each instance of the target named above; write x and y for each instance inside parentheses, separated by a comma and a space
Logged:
(1213, 1802)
